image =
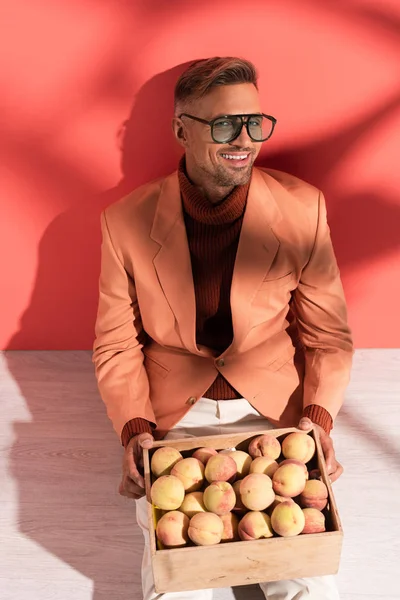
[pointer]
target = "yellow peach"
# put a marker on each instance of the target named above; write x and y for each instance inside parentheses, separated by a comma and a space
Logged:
(242, 460)
(265, 445)
(278, 500)
(167, 492)
(255, 525)
(205, 529)
(300, 446)
(287, 519)
(264, 464)
(172, 529)
(191, 472)
(219, 497)
(220, 468)
(256, 491)
(163, 460)
(314, 521)
(239, 506)
(192, 504)
(289, 480)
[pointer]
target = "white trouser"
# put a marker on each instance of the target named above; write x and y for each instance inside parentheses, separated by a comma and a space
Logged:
(214, 417)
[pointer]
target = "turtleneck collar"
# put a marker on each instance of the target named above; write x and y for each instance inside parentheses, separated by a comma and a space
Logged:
(200, 209)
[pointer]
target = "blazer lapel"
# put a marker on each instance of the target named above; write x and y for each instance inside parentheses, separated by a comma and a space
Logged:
(173, 263)
(257, 248)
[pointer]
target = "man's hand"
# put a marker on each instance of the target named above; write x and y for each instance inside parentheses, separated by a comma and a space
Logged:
(335, 469)
(132, 484)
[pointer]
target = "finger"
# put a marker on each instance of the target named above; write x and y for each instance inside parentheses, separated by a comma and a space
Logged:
(146, 440)
(329, 453)
(133, 471)
(337, 473)
(305, 424)
(130, 486)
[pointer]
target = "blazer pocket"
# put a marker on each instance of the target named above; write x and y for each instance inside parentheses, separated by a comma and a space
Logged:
(279, 281)
(153, 366)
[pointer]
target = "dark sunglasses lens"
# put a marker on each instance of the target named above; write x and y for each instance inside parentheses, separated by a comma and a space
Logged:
(259, 127)
(226, 129)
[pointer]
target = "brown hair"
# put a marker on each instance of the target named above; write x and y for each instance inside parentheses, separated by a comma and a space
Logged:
(204, 74)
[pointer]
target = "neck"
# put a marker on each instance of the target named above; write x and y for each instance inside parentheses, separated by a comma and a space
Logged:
(214, 193)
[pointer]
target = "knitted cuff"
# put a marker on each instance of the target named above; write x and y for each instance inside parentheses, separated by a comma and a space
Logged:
(320, 416)
(134, 427)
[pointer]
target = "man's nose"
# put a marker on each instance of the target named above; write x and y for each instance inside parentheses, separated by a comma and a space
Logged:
(243, 140)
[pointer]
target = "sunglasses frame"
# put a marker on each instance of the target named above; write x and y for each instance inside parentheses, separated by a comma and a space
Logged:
(236, 135)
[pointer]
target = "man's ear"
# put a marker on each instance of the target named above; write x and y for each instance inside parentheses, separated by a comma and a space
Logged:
(179, 131)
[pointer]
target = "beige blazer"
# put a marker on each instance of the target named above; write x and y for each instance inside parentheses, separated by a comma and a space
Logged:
(145, 354)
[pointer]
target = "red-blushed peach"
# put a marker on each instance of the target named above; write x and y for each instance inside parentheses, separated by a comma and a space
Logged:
(220, 467)
(287, 519)
(167, 492)
(314, 474)
(242, 460)
(299, 446)
(289, 480)
(239, 506)
(192, 504)
(264, 464)
(203, 454)
(314, 495)
(163, 460)
(219, 497)
(191, 472)
(254, 526)
(230, 532)
(314, 521)
(172, 529)
(206, 529)
(256, 491)
(265, 445)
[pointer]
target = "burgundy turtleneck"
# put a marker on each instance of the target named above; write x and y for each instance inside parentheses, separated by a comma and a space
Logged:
(213, 232)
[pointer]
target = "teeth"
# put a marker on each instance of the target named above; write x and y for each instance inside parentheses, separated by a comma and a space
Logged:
(234, 157)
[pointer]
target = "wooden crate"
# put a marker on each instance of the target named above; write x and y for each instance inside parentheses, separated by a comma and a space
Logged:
(242, 563)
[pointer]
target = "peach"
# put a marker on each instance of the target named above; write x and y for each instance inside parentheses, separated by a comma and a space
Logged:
(300, 446)
(167, 492)
(203, 454)
(315, 474)
(191, 472)
(264, 464)
(265, 445)
(278, 500)
(256, 491)
(289, 480)
(219, 497)
(163, 460)
(242, 460)
(205, 529)
(231, 523)
(192, 504)
(172, 529)
(288, 519)
(220, 468)
(314, 495)
(255, 525)
(314, 521)
(293, 461)
(239, 506)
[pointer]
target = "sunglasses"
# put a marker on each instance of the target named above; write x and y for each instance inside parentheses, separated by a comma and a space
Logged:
(227, 128)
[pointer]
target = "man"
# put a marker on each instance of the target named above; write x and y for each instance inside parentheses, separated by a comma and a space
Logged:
(221, 305)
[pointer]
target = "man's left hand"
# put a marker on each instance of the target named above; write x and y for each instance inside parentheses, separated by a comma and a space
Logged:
(335, 469)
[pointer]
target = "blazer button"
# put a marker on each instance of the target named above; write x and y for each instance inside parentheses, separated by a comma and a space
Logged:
(192, 400)
(220, 362)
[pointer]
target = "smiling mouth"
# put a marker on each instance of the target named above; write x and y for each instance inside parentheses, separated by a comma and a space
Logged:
(238, 159)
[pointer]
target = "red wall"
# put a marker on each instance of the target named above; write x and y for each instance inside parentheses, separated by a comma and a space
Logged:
(85, 116)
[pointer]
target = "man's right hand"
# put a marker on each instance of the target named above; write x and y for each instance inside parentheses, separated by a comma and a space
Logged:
(132, 484)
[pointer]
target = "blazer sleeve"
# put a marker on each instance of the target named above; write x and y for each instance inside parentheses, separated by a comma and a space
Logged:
(320, 308)
(118, 356)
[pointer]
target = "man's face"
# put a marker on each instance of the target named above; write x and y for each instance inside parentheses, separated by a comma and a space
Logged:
(209, 159)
